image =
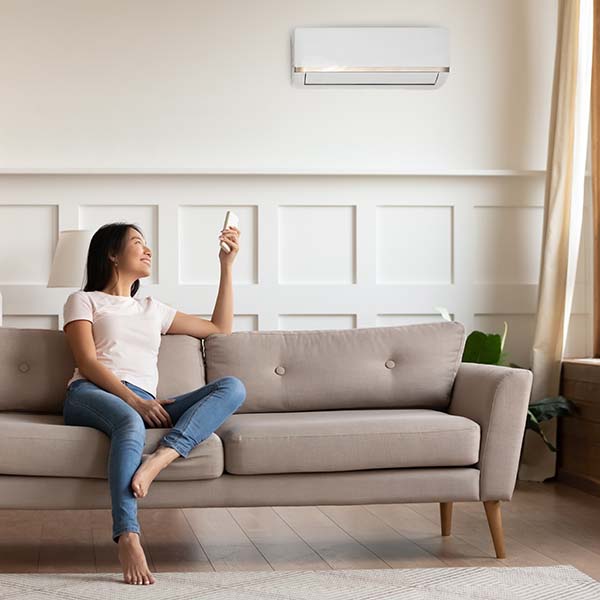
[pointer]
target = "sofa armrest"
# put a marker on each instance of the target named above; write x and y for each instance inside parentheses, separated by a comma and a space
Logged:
(496, 397)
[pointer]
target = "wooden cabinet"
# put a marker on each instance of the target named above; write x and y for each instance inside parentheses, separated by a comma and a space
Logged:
(578, 461)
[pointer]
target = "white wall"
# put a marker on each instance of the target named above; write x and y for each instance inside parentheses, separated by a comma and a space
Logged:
(102, 99)
(193, 83)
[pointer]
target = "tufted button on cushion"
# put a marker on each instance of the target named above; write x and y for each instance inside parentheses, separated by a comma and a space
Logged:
(24, 367)
(390, 364)
(280, 370)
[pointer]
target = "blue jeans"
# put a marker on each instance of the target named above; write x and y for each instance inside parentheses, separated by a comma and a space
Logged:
(195, 415)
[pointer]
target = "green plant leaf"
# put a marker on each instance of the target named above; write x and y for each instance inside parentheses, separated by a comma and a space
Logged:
(553, 406)
(503, 360)
(482, 348)
(548, 408)
(533, 424)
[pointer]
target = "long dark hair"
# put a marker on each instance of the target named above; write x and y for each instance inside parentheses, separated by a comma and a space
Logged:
(108, 241)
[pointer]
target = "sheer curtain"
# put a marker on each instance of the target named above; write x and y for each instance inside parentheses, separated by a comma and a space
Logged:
(563, 211)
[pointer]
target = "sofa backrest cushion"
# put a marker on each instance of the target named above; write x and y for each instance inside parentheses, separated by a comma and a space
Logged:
(36, 364)
(410, 366)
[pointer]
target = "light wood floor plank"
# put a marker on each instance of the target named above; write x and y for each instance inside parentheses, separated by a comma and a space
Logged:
(581, 526)
(20, 536)
(224, 541)
(338, 549)
(66, 542)
(402, 547)
(474, 529)
(276, 540)
(171, 542)
(545, 539)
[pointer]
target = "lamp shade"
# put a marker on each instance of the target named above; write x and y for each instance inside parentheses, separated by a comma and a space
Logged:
(70, 257)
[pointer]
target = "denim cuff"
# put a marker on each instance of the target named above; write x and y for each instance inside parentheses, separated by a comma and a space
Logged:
(167, 441)
(133, 528)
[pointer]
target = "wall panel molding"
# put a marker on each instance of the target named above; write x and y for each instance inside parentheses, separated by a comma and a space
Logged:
(272, 206)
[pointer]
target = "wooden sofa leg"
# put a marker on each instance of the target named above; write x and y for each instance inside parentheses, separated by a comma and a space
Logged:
(494, 519)
(446, 517)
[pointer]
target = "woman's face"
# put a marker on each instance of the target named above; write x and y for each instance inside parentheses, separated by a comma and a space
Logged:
(136, 257)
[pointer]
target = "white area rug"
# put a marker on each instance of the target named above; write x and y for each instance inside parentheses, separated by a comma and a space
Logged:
(451, 583)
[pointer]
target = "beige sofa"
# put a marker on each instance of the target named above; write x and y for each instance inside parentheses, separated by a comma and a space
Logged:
(339, 417)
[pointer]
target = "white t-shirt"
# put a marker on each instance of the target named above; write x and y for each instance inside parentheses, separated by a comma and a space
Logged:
(126, 333)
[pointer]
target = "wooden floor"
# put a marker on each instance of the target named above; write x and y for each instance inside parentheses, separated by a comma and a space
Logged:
(545, 524)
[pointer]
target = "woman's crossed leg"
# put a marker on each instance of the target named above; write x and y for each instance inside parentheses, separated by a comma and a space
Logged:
(195, 415)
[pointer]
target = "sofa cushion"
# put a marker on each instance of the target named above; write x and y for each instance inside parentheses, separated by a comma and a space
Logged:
(347, 440)
(408, 366)
(41, 444)
(35, 365)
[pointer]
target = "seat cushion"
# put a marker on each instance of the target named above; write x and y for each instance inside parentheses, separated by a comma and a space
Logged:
(41, 444)
(347, 440)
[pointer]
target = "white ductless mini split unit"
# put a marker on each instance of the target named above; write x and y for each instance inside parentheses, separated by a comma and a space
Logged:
(407, 57)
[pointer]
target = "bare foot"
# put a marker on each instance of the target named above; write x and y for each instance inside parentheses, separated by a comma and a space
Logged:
(151, 466)
(133, 560)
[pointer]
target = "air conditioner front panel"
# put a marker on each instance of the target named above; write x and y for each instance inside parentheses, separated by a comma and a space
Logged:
(411, 56)
(370, 78)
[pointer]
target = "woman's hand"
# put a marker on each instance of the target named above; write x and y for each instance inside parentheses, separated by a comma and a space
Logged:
(153, 413)
(231, 237)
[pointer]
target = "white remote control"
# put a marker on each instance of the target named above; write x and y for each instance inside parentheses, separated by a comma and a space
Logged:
(230, 219)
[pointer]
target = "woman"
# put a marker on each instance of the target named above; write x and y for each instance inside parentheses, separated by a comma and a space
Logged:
(115, 339)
